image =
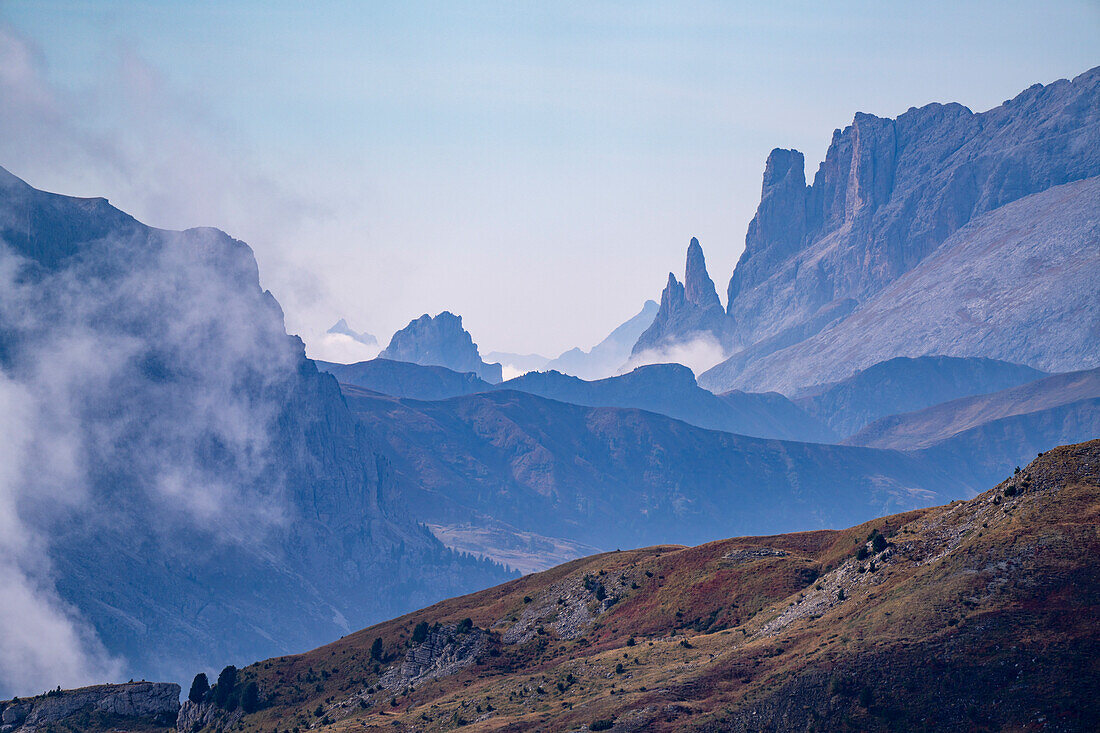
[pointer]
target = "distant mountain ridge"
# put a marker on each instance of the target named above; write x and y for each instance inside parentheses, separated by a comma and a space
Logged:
(906, 384)
(670, 389)
(606, 358)
(341, 327)
(924, 428)
(667, 389)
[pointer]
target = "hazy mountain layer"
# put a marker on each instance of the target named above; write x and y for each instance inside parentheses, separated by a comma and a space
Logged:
(404, 379)
(621, 477)
(606, 358)
(670, 389)
(924, 428)
(907, 384)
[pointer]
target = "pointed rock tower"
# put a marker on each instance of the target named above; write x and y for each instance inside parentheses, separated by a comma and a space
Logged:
(688, 311)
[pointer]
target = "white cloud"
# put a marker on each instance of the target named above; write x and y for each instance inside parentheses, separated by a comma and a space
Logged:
(340, 348)
(699, 354)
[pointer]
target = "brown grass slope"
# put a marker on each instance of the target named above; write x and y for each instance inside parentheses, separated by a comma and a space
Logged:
(977, 615)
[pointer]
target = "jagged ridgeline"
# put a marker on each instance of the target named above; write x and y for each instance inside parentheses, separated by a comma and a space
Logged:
(928, 234)
(147, 372)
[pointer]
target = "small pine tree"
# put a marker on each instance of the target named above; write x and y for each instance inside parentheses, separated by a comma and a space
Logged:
(420, 633)
(376, 649)
(878, 544)
(199, 687)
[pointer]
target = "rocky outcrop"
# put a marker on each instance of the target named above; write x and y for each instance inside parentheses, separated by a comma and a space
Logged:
(889, 194)
(148, 702)
(444, 651)
(688, 311)
(206, 716)
(440, 341)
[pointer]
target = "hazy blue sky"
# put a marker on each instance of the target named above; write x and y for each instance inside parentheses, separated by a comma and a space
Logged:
(536, 167)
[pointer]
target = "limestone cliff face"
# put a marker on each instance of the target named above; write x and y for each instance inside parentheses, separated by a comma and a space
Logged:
(440, 341)
(688, 311)
(888, 195)
(146, 702)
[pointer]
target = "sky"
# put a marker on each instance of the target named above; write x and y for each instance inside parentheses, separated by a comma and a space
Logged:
(537, 168)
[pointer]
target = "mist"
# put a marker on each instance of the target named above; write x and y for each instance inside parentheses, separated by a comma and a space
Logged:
(142, 374)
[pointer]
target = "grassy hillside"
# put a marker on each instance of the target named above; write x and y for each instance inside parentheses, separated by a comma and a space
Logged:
(979, 615)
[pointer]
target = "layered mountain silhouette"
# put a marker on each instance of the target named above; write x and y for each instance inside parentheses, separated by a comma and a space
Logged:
(187, 487)
(440, 341)
(608, 357)
(668, 389)
(923, 428)
(404, 379)
(626, 477)
(903, 385)
(939, 232)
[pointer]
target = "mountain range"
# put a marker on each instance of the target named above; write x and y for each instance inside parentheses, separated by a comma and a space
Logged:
(941, 232)
(181, 488)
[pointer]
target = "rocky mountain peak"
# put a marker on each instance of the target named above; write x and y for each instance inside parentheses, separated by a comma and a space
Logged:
(689, 310)
(698, 287)
(440, 341)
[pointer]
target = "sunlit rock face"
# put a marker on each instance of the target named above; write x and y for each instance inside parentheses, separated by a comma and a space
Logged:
(892, 193)
(183, 487)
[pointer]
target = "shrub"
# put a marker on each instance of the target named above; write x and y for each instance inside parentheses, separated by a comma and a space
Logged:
(199, 687)
(602, 724)
(630, 641)
(878, 544)
(465, 625)
(840, 595)
(223, 690)
(527, 599)
(376, 649)
(420, 633)
(863, 553)
(619, 668)
(601, 592)
(250, 698)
